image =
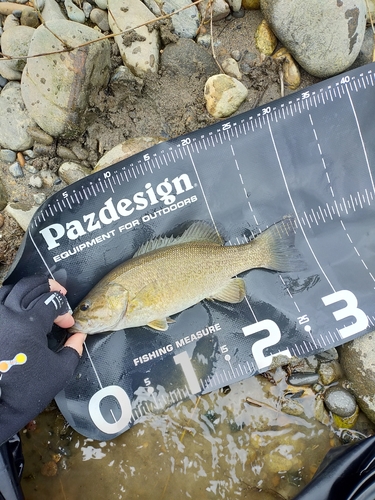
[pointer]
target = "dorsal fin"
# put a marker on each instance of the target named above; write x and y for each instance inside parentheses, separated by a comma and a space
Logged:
(198, 231)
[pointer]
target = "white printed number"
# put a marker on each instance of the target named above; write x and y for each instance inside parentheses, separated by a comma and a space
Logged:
(274, 336)
(184, 361)
(350, 310)
(123, 401)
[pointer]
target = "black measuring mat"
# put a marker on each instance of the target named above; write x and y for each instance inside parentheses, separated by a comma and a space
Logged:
(310, 156)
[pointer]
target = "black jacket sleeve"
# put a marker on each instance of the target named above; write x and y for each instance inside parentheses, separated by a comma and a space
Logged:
(30, 373)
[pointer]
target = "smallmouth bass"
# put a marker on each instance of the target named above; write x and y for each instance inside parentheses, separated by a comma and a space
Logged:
(170, 274)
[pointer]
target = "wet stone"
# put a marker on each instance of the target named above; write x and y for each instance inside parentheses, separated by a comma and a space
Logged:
(330, 372)
(234, 426)
(292, 407)
(300, 379)
(346, 422)
(340, 401)
(320, 412)
(212, 416)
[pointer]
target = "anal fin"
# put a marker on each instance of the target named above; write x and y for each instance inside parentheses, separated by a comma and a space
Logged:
(233, 292)
(159, 324)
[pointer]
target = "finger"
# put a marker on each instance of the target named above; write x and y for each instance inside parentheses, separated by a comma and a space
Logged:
(64, 320)
(55, 286)
(76, 342)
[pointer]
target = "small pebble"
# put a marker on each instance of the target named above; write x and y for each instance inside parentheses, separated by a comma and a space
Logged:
(3, 81)
(300, 379)
(16, 170)
(35, 181)
(40, 136)
(17, 13)
(320, 412)
(44, 150)
(340, 401)
(80, 152)
(102, 4)
(291, 407)
(7, 155)
(100, 18)
(239, 13)
(39, 198)
(30, 18)
(236, 54)
(74, 13)
(330, 372)
(87, 8)
(31, 169)
(21, 159)
(65, 153)
(72, 172)
(48, 177)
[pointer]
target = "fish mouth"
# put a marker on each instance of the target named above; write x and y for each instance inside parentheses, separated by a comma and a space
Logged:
(75, 329)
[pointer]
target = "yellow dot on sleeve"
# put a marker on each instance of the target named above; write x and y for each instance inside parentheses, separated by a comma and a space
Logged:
(20, 358)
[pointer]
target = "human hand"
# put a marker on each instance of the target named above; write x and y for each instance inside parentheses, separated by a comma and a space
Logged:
(30, 373)
(66, 320)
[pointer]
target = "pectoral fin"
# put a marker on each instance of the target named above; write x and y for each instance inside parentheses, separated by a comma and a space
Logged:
(159, 324)
(233, 292)
(146, 297)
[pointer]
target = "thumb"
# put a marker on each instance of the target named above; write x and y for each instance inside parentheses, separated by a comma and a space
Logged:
(64, 320)
(76, 342)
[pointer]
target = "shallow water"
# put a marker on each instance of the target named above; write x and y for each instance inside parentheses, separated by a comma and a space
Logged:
(215, 446)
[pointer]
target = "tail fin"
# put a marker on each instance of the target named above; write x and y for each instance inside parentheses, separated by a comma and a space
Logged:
(276, 245)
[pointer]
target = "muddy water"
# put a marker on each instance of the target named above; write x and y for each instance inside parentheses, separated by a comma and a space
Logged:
(216, 446)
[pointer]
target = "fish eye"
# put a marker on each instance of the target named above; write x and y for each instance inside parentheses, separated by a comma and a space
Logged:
(85, 305)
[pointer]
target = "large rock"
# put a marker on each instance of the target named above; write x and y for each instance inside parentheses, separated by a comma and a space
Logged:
(56, 88)
(139, 47)
(325, 37)
(14, 119)
(15, 42)
(358, 361)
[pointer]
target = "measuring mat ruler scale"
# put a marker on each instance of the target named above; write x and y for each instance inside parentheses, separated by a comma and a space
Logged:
(308, 159)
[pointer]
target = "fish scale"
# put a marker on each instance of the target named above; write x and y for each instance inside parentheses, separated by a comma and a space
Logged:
(309, 156)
